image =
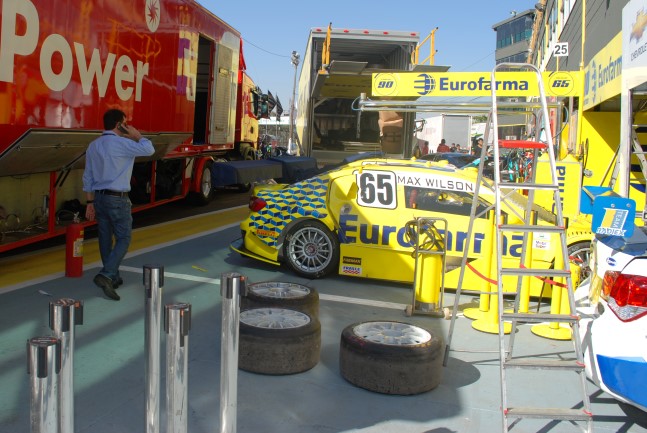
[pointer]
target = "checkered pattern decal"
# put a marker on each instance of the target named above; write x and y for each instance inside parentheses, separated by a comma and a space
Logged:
(302, 199)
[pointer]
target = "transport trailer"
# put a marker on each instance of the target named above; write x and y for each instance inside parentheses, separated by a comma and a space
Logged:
(336, 70)
(173, 67)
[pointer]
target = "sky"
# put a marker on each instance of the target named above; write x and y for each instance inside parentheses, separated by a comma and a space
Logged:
(271, 30)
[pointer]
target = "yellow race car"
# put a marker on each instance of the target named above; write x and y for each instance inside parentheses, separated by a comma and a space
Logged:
(356, 220)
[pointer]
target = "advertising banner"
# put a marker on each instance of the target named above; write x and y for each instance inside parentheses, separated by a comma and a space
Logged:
(474, 84)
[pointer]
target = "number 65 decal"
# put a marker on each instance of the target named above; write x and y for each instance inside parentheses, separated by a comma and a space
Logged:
(376, 189)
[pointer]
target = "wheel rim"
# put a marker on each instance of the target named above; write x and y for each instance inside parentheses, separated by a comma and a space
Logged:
(279, 290)
(310, 249)
(205, 185)
(274, 318)
(581, 257)
(392, 333)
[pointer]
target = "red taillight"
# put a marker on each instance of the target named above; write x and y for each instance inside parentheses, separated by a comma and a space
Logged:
(626, 295)
(256, 204)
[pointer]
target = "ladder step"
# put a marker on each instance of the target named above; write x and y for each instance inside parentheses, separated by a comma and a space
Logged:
(533, 186)
(531, 272)
(545, 364)
(479, 292)
(548, 413)
(530, 228)
(540, 317)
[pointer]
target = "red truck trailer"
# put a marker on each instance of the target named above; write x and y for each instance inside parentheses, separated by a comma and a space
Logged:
(174, 67)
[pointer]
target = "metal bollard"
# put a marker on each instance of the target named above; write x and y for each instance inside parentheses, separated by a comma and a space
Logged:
(64, 314)
(153, 283)
(44, 366)
(177, 323)
(232, 285)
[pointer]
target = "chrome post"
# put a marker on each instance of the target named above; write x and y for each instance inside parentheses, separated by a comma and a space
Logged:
(153, 283)
(44, 366)
(64, 314)
(177, 323)
(231, 286)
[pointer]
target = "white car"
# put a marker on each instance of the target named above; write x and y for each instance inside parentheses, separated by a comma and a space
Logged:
(613, 306)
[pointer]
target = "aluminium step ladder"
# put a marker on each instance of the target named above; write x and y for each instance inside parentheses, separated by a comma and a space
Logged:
(637, 149)
(507, 219)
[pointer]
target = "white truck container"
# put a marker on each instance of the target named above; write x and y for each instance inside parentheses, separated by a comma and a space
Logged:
(454, 128)
(337, 68)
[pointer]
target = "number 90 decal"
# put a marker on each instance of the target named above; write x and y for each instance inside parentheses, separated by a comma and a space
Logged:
(376, 189)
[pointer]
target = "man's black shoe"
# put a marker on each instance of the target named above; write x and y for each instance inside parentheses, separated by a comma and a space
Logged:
(105, 284)
(118, 282)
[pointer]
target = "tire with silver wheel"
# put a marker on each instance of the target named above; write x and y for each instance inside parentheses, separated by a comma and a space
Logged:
(278, 341)
(391, 357)
(311, 250)
(205, 194)
(580, 255)
(281, 295)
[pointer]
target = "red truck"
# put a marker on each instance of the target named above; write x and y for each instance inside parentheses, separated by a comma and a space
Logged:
(174, 67)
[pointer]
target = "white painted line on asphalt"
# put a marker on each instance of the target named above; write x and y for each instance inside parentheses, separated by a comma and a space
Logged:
(174, 275)
(324, 297)
(367, 302)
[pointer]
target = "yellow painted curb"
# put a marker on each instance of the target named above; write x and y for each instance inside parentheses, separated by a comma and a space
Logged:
(17, 269)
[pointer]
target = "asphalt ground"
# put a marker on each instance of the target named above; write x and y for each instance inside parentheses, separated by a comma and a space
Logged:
(110, 349)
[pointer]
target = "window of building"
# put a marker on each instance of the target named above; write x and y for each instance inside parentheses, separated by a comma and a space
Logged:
(515, 31)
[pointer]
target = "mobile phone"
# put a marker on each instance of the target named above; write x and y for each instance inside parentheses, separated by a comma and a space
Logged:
(122, 129)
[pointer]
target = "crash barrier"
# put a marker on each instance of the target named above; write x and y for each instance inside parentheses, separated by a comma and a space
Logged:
(64, 315)
(232, 286)
(44, 366)
(51, 359)
(177, 323)
(429, 265)
(50, 362)
(153, 283)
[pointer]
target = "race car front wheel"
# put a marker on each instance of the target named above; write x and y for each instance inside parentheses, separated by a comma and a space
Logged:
(311, 250)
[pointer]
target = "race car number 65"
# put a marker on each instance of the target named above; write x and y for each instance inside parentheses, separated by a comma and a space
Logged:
(376, 189)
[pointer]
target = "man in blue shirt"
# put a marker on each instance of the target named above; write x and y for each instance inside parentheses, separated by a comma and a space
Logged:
(106, 181)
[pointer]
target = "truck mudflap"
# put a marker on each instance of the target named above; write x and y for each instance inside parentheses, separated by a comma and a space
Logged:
(239, 246)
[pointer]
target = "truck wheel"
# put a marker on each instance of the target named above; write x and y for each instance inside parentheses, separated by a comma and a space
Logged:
(204, 196)
(249, 154)
(311, 250)
(281, 295)
(278, 341)
(391, 357)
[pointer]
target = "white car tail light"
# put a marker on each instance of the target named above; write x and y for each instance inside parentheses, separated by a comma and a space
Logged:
(626, 295)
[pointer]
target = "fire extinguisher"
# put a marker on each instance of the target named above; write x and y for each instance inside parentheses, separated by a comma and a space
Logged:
(74, 249)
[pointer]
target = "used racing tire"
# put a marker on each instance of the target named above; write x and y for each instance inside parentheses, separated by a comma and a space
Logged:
(311, 250)
(281, 295)
(391, 357)
(278, 341)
